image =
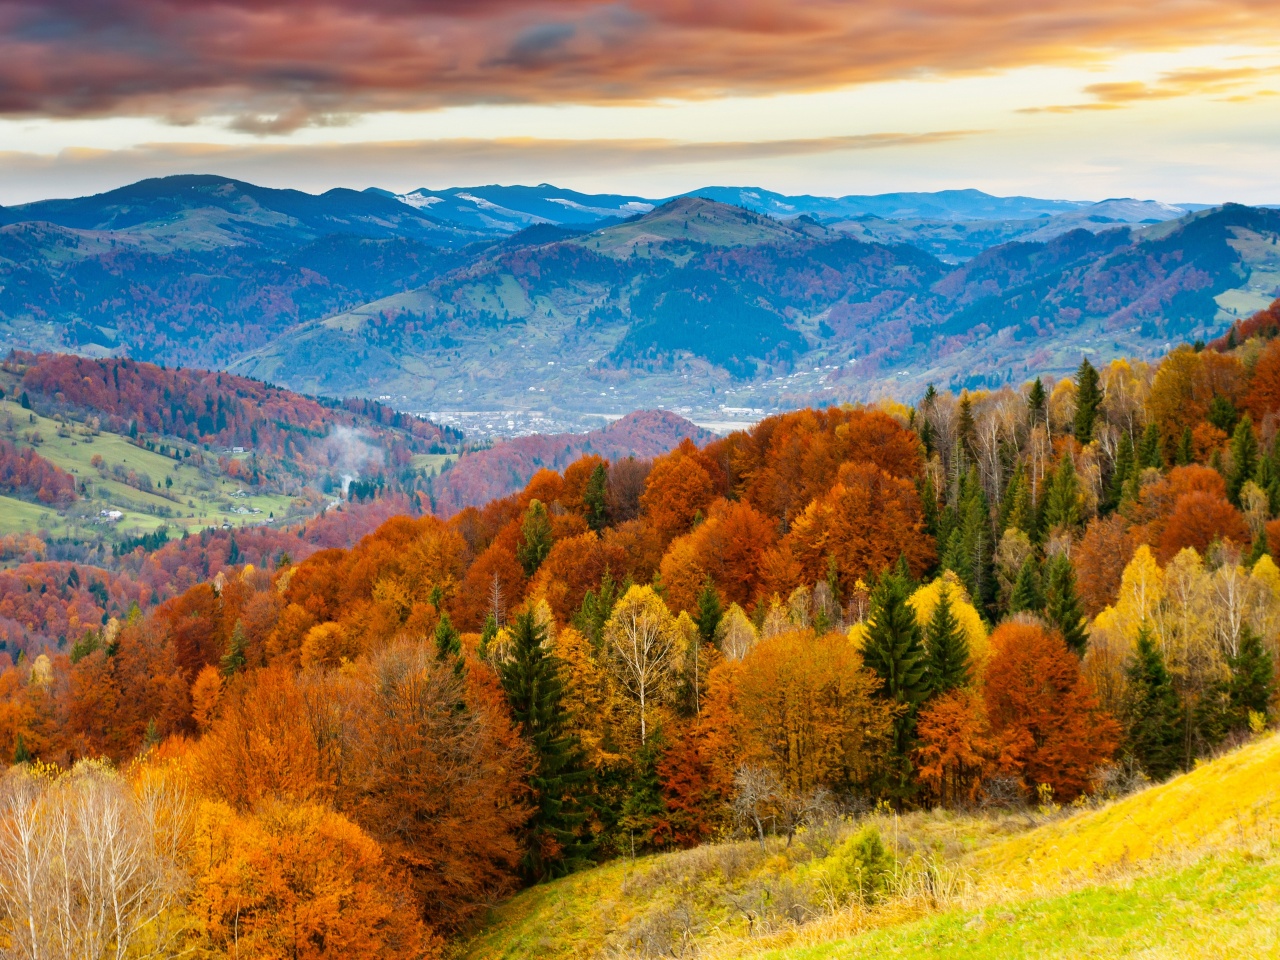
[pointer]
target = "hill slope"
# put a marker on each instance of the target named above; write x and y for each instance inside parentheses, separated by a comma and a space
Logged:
(1187, 868)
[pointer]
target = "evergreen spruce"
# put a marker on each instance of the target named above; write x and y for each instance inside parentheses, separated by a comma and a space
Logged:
(1062, 503)
(1244, 458)
(557, 840)
(1150, 451)
(1186, 453)
(710, 611)
(1010, 503)
(20, 752)
(488, 633)
(948, 648)
(1062, 604)
(1222, 413)
(895, 653)
(595, 498)
(1037, 402)
(1026, 589)
(966, 427)
(234, 657)
(1252, 683)
(1124, 466)
(448, 642)
(535, 538)
(1088, 398)
(644, 807)
(1152, 711)
(596, 609)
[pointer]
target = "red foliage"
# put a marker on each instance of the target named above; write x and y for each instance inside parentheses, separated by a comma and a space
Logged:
(26, 473)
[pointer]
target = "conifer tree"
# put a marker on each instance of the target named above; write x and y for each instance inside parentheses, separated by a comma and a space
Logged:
(966, 427)
(895, 653)
(557, 840)
(644, 806)
(1037, 401)
(1152, 711)
(1014, 499)
(1088, 397)
(448, 642)
(1252, 683)
(710, 612)
(20, 752)
(948, 649)
(1124, 466)
(1150, 452)
(1185, 451)
(1026, 589)
(1062, 502)
(233, 658)
(535, 538)
(1062, 604)
(1244, 458)
(488, 633)
(597, 607)
(595, 498)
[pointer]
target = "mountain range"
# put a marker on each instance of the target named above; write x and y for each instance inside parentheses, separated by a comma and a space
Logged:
(717, 304)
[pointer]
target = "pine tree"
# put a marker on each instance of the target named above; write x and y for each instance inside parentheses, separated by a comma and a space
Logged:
(948, 662)
(710, 611)
(20, 752)
(1244, 458)
(488, 633)
(594, 498)
(895, 653)
(1062, 503)
(1062, 604)
(597, 607)
(448, 642)
(151, 736)
(1186, 453)
(1252, 683)
(644, 807)
(535, 538)
(233, 658)
(1026, 589)
(1152, 711)
(1088, 398)
(1037, 402)
(557, 840)
(966, 428)
(1013, 500)
(1150, 450)
(1124, 466)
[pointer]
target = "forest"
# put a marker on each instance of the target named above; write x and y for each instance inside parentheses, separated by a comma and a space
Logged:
(988, 599)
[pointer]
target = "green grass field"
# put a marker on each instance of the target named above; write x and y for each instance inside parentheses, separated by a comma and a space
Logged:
(1189, 868)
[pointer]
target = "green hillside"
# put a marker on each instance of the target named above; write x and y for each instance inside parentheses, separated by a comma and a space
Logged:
(1190, 868)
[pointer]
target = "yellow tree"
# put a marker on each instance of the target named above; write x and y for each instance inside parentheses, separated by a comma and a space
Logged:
(642, 643)
(925, 600)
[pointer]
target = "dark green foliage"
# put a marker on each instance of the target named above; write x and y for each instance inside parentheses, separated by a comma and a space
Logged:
(20, 752)
(488, 633)
(594, 499)
(644, 807)
(1037, 401)
(948, 661)
(1125, 465)
(596, 609)
(448, 642)
(1150, 450)
(895, 652)
(1244, 458)
(1088, 397)
(1222, 413)
(1152, 711)
(535, 538)
(1185, 452)
(966, 428)
(556, 838)
(1252, 683)
(969, 546)
(710, 610)
(233, 659)
(1062, 604)
(89, 642)
(1062, 502)
(1026, 589)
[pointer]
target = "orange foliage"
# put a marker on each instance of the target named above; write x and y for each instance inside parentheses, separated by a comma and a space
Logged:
(1099, 560)
(678, 487)
(1197, 520)
(1263, 396)
(729, 548)
(1043, 710)
(958, 749)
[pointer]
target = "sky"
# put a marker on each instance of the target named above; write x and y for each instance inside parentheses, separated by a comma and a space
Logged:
(1074, 99)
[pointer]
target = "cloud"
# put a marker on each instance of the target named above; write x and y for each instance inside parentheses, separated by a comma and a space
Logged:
(280, 64)
(1223, 83)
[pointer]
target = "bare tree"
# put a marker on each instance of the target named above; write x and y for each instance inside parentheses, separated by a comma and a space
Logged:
(90, 864)
(755, 791)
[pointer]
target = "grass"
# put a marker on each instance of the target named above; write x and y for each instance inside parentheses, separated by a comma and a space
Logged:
(1189, 868)
(199, 497)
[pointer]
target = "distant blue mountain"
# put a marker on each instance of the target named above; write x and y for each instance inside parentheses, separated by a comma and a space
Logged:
(509, 209)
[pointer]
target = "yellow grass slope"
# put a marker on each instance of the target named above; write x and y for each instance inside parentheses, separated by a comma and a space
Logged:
(1230, 803)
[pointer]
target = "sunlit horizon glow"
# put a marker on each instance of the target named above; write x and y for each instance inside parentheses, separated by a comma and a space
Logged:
(648, 98)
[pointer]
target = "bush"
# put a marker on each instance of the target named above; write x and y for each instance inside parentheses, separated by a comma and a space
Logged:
(859, 869)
